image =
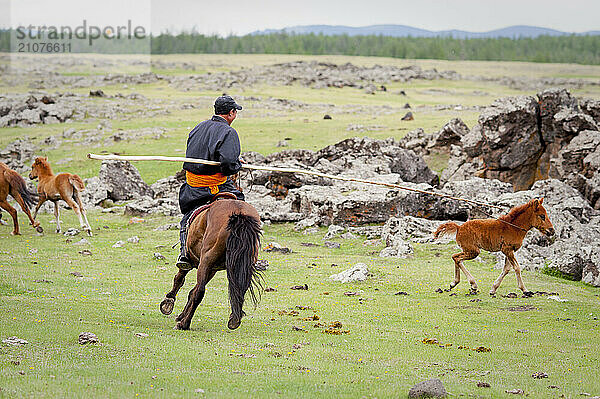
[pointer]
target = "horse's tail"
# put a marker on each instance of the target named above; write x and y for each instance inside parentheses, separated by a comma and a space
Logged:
(76, 182)
(18, 183)
(446, 228)
(241, 255)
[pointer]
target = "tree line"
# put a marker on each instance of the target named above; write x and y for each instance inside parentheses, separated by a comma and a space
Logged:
(556, 49)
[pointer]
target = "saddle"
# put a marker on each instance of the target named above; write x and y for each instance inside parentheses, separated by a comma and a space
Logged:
(202, 208)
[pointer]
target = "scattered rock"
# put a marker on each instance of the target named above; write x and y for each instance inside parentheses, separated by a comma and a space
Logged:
(72, 231)
(333, 231)
(14, 341)
(515, 391)
(408, 117)
(358, 272)
(76, 274)
(169, 226)
(97, 93)
(299, 287)
(87, 337)
(540, 375)
(332, 245)
(432, 388)
(141, 335)
(118, 244)
(276, 247)
(327, 116)
(133, 240)
(159, 256)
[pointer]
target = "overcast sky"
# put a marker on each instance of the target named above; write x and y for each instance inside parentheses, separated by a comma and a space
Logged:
(244, 16)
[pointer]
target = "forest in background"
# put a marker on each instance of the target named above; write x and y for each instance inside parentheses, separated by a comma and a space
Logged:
(553, 49)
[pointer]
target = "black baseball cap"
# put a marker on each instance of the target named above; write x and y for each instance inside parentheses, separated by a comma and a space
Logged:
(224, 104)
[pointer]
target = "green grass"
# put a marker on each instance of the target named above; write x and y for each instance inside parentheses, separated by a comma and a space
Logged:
(382, 355)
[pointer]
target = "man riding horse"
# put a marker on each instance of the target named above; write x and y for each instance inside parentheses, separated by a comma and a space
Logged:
(213, 140)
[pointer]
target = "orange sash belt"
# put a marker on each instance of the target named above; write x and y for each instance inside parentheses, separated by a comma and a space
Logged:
(210, 181)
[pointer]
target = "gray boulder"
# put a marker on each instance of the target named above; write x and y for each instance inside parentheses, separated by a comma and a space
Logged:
(358, 272)
(450, 134)
(432, 388)
(396, 247)
(123, 181)
(591, 107)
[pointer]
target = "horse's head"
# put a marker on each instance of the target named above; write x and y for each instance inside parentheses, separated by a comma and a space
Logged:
(540, 219)
(40, 164)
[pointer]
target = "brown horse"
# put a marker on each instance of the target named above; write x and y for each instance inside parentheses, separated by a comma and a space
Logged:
(12, 183)
(65, 186)
(224, 237)
(504, 234)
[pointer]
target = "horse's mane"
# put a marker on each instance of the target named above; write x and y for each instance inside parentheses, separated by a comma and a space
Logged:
(515, 212)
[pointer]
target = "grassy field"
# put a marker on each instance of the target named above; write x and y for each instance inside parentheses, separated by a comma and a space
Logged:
(389, 342)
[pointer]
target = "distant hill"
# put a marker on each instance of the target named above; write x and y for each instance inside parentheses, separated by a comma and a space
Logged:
(517, 31)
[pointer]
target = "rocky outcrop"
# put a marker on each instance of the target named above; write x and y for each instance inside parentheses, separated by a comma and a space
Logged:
(516, 138)
(123, 181)
(309, 74)
(33, 109)
(19, 155)
(578, 164)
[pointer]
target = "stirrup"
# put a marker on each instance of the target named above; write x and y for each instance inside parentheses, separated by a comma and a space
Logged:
(183, 263)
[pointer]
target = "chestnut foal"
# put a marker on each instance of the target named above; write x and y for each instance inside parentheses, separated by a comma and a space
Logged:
(12, 183)
(65, 186)
(504, 234)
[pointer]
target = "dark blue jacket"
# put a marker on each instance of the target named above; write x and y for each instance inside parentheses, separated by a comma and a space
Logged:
(214, 140)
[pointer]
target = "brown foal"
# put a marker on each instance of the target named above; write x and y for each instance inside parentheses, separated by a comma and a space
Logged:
(12, 183)
(504, 234)
(65, 186)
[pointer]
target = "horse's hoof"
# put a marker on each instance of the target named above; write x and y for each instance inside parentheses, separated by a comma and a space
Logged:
(181, 326)
(39, 229)
(493, 294)
(233, 323)
(58, 231)
(15, 233)
(167, 305)
(89, 232)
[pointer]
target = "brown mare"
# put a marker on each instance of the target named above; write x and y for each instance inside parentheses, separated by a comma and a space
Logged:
(504, 234)
(12, 183)
(65, 186)
(224, 237)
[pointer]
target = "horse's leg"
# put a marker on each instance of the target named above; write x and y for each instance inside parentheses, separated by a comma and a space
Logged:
(195, 297)
(39, 204)
(87, 226)
(75, 208)
(13, 213)
(57, 216)
(467, 255)
(456, 271)
(505, 271)
(167, 304)
(17, 196)
(517, 268)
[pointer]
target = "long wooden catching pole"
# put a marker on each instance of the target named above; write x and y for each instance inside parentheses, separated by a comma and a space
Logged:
(283, 170)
